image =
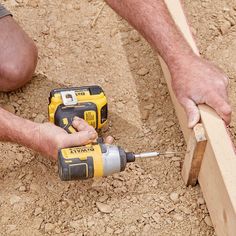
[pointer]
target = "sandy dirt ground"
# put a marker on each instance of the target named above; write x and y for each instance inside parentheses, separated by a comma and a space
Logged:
(149, 198)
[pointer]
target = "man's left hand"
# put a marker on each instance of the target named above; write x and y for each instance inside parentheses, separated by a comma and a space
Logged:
(197, 81)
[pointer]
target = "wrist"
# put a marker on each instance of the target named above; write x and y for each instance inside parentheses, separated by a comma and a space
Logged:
(181, 62)
(27, 134)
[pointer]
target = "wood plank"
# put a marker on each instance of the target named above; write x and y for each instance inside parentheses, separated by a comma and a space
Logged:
(217, 175)
(193, 159)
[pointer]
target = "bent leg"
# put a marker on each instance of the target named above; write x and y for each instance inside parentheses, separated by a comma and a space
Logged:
(18, 55)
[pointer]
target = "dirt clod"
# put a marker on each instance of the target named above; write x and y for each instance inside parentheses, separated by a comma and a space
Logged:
(208, 221)
(40, 118)
(200, 201)
(14, 199)
(49, 227)
(8, 107)
(174, 197)
(104, 208)
(142, 71)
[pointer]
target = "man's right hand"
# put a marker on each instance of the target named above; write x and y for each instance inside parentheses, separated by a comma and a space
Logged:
(51, 137)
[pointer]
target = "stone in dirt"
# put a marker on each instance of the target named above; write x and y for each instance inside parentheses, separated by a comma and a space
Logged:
(169, 124)
(11, 228)
(14, 199)
(36, 224)
(200, 201)
(90, 223)
(178, 217)
(109, 230)
(22, 188)
(103, 198)
(225, 27)
(104, 208)
(185, 210)
(76, 224)
(142, 71)
(156, 217)
(118, 231)
(40, 118)
(8, 107)
(174, 196)
(208, 221)
(37, 211)
(49, 227)
(145, 115)
(57, 230)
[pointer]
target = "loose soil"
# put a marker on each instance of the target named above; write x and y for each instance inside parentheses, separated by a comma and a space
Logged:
(149, 198)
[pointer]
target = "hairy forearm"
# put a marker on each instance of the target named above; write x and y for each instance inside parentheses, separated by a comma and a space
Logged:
(152, 19)
(18, 130)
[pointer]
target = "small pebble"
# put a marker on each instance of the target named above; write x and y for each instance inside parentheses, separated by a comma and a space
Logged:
(14, 199)
(49, 227)
(200, 201)
(103, 198)
(76, 224)
(142, 71)
(169, 124)
(156, 217)
(104, 208)
(178, 217)
(8, 108)
(174, 196)
(145, 114)
(225, 27)
(109, 230)
(40, 118)
(37, 211)
(208, 221)
(36, 224)
(22, 189)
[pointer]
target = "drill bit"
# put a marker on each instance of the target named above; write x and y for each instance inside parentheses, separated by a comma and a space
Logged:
(154, 154)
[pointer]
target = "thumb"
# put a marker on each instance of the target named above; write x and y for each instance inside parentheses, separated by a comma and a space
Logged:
(79, 138)
(192, 112)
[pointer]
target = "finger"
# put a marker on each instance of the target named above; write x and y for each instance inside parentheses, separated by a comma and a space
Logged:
(79, 138)
(222, 93)
(221, 106)
(109, 140)
(192, 112)
(81, 125)
(227, 80)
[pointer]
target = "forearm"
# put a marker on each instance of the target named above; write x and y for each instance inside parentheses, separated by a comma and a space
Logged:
(153, 21)
(18, 130)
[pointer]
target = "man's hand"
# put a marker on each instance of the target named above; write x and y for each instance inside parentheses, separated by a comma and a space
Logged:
(197, 81)
(51, 138)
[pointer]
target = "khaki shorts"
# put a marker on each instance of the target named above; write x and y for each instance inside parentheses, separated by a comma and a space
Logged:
(4, 11)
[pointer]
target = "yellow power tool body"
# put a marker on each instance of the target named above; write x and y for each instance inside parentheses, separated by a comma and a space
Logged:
(95, 160)
(87, 102)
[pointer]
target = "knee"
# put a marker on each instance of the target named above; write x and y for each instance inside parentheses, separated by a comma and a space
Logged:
(18, 70)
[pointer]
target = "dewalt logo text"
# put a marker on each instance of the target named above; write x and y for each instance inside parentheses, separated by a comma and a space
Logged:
(81, 150)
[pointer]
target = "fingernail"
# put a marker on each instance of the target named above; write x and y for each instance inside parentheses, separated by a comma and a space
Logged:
(92, 135)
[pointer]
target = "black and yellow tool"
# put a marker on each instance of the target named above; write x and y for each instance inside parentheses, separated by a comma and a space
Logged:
(87, 102)
(96, 160)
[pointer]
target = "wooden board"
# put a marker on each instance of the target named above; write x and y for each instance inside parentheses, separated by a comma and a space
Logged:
(217, 175)
(196, 147)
